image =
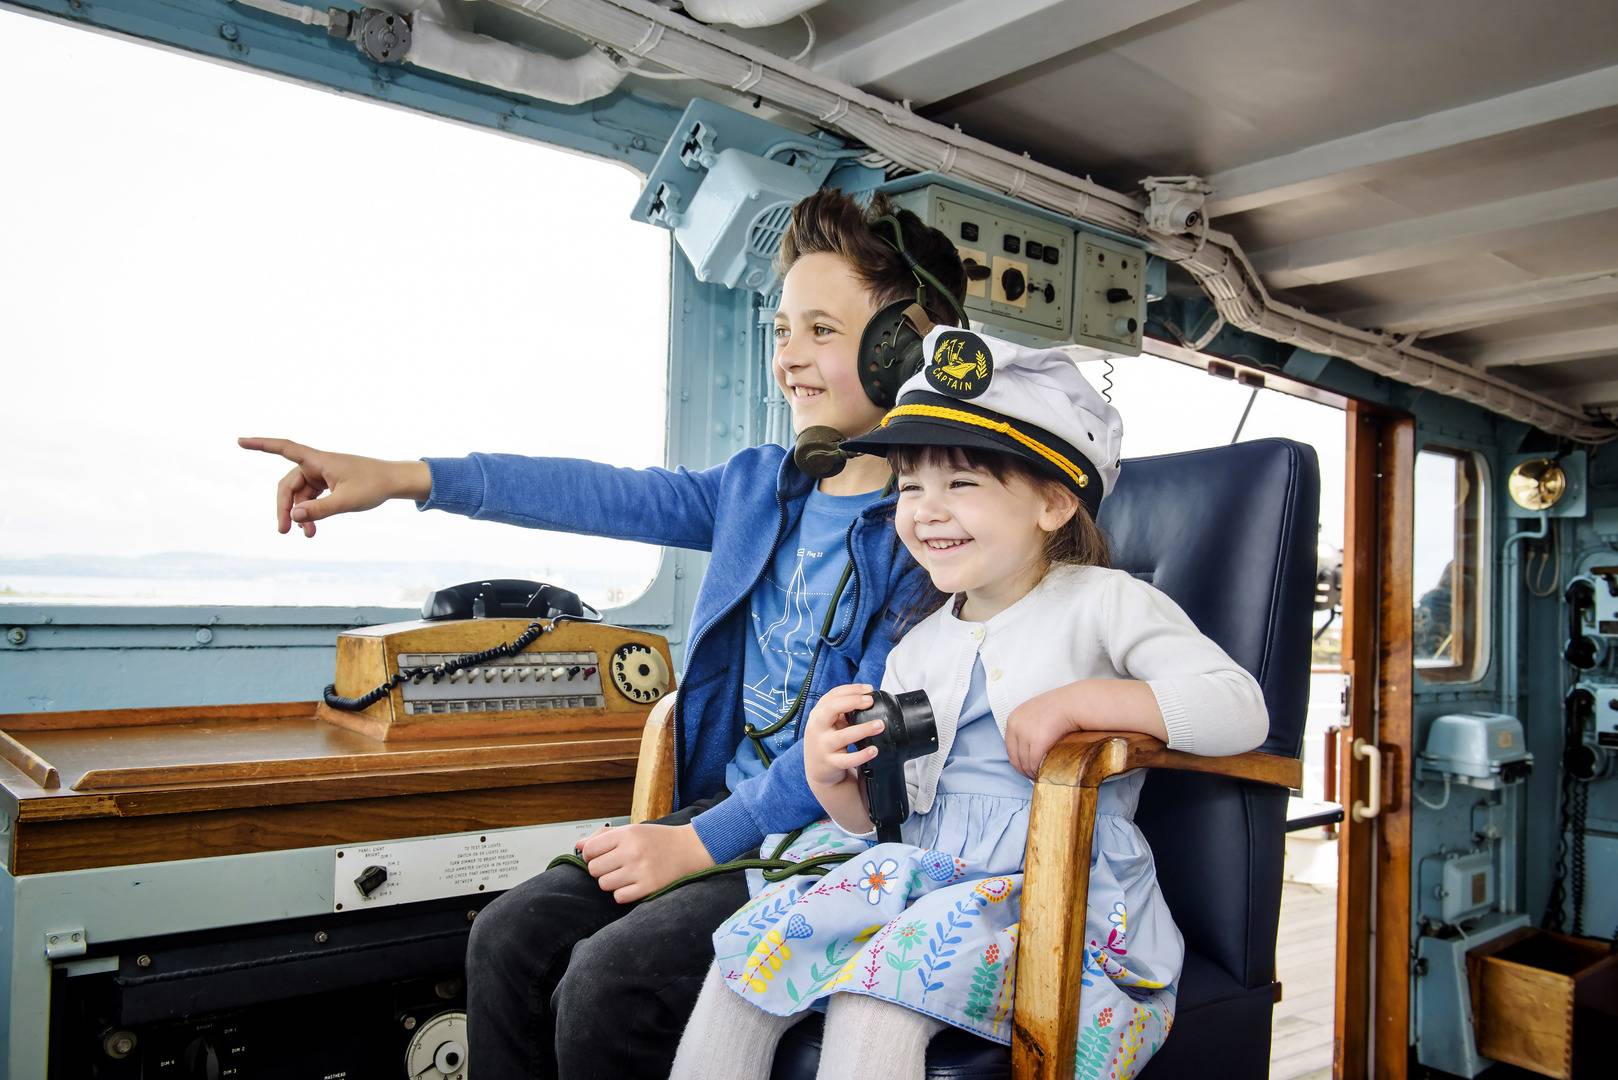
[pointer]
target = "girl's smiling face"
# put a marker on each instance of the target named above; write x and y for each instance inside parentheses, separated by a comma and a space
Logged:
(976, 534)
(823, 312)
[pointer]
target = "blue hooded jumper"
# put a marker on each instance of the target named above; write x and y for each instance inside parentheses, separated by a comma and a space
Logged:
(738, 511)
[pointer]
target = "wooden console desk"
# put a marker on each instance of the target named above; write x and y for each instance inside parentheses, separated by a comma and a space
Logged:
(129, 786)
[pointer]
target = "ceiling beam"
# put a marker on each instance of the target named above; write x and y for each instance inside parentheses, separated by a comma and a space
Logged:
(1448, 314)
(1425, 240)
(1547, 349)
(969, 43)
(1600, 393)
(1330, 165)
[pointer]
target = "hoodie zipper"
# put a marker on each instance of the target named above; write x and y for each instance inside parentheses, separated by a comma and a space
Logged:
(780, 524)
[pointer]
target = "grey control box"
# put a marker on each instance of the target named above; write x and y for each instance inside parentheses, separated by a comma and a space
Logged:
(1035, 280)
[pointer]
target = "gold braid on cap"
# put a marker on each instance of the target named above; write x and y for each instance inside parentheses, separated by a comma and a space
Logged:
(937, 412)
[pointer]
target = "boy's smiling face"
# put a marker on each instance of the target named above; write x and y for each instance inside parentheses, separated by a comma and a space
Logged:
(823, 312)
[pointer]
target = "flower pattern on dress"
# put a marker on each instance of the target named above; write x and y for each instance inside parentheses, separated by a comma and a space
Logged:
(878, 880)
(928, 928)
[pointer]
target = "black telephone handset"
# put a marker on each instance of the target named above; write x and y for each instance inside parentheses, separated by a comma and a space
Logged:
(506, 598)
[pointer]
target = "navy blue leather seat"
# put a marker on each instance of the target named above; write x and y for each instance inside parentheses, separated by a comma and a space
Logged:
(1229, 533)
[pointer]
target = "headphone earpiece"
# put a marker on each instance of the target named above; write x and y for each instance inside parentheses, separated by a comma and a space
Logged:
(891, 350)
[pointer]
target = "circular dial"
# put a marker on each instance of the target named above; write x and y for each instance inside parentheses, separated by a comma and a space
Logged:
(1537, 484)
(640, 672)
(437, 1050)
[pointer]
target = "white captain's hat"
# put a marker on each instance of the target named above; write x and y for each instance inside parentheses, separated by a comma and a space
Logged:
(982, 392)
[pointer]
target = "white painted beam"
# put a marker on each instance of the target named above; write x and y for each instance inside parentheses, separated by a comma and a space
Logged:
(970, 42)
(1548, 349)
(1425, 240)
(1330, 165)
(1596, 393)
(1487, 307)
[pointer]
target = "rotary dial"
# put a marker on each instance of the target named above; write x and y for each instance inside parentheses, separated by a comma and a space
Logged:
(640, 673)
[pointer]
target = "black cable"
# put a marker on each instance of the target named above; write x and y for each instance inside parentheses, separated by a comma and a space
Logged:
(1555, 918)
(1106, 381)
(1581, 809)
(438, 671)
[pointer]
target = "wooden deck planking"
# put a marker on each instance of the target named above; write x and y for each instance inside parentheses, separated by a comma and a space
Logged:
(1306, 947)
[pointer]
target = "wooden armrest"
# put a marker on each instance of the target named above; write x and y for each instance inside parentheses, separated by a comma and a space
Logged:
(654, 771)
(1087, 758)
(1056, 879)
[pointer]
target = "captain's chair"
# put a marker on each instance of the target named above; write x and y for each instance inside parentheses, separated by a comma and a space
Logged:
(1228, 533)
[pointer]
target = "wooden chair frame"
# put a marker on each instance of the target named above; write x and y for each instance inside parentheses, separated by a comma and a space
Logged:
(1056, 879)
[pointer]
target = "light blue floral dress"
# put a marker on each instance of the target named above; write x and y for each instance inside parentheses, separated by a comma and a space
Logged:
(931, 923)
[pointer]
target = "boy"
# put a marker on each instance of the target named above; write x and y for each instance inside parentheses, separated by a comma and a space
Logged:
(565, 960)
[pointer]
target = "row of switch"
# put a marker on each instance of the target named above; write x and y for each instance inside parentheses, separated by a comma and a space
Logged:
(585, 701)
(521, 674)
(1014, 245)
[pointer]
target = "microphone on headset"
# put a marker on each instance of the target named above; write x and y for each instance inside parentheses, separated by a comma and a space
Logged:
(819, 452)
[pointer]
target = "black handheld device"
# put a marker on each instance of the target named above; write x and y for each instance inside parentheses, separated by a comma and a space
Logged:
(908, 731)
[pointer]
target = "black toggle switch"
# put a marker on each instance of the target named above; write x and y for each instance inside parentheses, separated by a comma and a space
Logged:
(975, 271)
(371, 880)
(1116, 295)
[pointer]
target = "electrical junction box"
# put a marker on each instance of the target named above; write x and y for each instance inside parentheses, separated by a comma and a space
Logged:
(1465, 886)
(725, 185)
(1484, 750)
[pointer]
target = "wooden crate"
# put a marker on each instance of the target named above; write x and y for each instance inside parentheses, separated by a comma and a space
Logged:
(1546, 1002)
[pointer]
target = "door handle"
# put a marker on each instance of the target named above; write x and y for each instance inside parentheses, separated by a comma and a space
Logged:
(1365, 810)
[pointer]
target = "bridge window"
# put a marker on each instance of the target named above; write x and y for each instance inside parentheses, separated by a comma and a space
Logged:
(196, 252)
(1448, 627)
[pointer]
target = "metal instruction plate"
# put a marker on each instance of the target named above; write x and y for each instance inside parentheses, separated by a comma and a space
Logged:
(456, 864)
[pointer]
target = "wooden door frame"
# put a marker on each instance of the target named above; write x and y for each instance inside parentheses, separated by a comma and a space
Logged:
(1372, 1006)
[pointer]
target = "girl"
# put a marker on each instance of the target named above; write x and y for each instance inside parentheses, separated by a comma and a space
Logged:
(1003, 455)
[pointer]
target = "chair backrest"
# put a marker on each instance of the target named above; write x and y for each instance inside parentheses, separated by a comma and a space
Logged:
(1230, 535)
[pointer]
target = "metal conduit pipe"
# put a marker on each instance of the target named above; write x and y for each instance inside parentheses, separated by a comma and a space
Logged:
(642, 29)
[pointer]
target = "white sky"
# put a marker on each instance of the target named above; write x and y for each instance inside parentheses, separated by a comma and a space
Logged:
(193, 252)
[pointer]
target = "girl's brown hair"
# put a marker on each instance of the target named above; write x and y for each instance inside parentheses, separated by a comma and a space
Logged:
(1078, 543)
(830, 222)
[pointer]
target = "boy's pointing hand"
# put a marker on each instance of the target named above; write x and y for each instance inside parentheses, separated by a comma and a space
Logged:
(355, 483)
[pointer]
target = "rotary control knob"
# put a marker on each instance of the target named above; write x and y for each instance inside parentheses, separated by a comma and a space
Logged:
(640, 673)
(437, 1050)
(1013, 283)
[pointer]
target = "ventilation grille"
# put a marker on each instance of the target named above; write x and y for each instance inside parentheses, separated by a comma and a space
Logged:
(764, 235)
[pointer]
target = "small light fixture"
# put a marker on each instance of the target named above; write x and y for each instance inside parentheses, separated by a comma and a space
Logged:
(1537, 484)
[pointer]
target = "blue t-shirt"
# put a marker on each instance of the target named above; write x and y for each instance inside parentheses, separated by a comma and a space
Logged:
(785, 614)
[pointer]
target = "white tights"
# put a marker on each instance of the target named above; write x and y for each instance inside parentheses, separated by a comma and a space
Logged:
(730, 1037)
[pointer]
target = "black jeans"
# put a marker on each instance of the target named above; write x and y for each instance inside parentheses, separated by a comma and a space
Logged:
(564, 982)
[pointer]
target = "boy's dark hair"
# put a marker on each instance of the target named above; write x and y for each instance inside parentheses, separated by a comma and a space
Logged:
(830, 222)
(1080, 542)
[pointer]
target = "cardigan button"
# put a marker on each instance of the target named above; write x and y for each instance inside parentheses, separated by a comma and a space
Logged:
(977, 632)
(994, 676)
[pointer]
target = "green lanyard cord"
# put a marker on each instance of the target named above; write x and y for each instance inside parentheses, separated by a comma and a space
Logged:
(758, 735)
(775, 867)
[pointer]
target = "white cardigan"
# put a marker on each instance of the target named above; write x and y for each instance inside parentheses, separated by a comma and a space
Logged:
(1080, 622)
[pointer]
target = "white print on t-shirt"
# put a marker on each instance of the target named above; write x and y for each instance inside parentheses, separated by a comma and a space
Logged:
(792, 636)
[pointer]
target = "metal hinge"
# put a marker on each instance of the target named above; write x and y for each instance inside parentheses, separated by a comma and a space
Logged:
(66, 944)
